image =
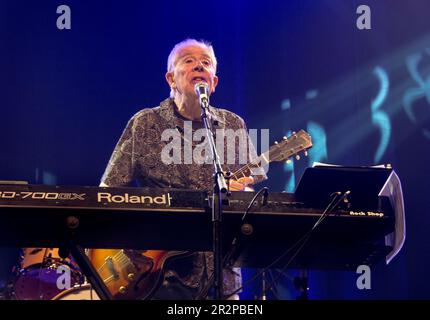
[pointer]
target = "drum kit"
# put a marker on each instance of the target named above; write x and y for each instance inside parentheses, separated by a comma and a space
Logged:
(38, 277)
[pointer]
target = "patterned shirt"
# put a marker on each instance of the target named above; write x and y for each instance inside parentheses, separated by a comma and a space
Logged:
(137, 161)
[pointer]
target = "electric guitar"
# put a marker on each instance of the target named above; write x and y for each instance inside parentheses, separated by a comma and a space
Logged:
(132, 274)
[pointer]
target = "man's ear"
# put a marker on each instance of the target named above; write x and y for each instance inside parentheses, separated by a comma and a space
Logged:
(215, 83)
(170, 80)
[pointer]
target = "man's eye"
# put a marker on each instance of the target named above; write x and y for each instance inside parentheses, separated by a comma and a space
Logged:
(206, 62)
(188, 60)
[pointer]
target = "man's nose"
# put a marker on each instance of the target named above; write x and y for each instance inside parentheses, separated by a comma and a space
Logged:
(198, 66)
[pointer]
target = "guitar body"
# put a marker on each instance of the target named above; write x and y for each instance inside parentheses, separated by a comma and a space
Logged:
(131, 274)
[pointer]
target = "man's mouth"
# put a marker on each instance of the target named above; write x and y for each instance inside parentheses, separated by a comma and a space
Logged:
(199, 79)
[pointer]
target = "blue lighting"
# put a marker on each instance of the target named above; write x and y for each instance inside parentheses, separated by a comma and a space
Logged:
(413, 94)
(318, 152)
(380, 118)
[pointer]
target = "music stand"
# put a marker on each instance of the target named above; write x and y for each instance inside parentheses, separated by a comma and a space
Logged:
(318, 184)
(365, 183)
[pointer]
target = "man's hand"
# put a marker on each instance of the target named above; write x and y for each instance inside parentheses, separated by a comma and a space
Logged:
(242, 184)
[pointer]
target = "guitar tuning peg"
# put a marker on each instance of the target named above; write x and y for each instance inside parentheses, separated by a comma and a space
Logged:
(288, 161)
(284, 138)
(297, 157)
(306, 153)
(276, 142)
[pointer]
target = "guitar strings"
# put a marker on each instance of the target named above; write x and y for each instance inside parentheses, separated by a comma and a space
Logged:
(120, 257)
(243, 170)
(247, 167)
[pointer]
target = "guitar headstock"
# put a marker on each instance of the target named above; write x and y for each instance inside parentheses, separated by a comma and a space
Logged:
(290, 146)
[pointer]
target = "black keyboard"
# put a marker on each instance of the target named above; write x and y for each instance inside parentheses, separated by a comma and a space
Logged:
(169, 219)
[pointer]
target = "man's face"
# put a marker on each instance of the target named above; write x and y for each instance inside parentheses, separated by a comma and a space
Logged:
(193, 65)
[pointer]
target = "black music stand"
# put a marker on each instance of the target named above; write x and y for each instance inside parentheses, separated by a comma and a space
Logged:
(365, 183)
(319, 183)
(340, 242)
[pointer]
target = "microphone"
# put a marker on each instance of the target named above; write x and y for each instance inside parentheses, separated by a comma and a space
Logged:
(265, 196)
(345, 199)
(202, 91)
(345, 196)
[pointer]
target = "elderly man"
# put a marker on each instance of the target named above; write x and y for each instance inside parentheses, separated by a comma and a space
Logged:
(137, 159)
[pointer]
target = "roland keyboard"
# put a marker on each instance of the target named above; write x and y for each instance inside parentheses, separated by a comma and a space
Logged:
(172, 219)
(153, 199)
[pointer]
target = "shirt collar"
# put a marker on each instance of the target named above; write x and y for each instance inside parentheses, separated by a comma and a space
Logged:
(167, 111)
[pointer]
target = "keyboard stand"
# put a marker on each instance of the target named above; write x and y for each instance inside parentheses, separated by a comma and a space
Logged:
(78, 253)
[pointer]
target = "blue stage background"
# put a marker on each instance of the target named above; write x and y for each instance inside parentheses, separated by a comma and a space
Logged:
(363, 95)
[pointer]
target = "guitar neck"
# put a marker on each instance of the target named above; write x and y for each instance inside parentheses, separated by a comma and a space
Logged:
(282, 151)
(246, 170)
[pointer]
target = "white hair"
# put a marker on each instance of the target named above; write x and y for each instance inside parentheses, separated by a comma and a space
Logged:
(185, 43)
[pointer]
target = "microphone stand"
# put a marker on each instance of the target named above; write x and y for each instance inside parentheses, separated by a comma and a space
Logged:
(219, 188)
